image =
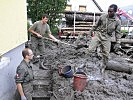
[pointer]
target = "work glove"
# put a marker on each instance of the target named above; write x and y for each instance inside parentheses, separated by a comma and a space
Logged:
(23, 98)
(58, 41)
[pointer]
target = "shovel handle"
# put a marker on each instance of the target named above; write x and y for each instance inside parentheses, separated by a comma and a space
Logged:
(47, 38)
(60, 41)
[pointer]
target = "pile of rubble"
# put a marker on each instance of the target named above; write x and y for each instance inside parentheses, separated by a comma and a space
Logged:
(115, 84)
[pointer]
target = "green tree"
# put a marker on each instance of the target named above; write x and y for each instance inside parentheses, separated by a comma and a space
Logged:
(54, 8)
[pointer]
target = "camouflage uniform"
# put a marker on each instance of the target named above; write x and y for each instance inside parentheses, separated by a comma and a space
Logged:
(24, 75)
(38, 43)
(104, 29)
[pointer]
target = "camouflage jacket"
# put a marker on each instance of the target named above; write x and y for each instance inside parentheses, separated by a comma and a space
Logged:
(107, 26)
(24, 73)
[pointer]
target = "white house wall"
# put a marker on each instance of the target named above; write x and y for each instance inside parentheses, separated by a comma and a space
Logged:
(13, 24)
(90, 6)
(13, 35)
(8, 71)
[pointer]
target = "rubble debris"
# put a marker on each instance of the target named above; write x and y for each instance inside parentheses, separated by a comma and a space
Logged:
(115, 84)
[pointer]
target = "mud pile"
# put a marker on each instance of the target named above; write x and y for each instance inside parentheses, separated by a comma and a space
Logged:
(112, 85)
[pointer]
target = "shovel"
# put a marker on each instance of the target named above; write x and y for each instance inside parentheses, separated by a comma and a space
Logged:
(76, 47)
(81, 46)
(60, 42)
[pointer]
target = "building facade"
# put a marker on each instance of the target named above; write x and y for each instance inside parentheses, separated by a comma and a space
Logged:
(82, 6)
(13, 35)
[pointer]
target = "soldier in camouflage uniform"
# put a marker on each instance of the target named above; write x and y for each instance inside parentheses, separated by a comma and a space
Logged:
(24, 76)
(38, 30)
(105, 26)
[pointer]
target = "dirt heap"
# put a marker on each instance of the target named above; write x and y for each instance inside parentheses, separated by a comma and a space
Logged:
(112, 85)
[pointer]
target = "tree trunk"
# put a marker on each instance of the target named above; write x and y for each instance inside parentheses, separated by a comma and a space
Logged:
(119, 67)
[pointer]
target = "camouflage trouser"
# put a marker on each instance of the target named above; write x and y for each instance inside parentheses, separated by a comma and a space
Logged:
(37, 45)
(27, 89)
(104, 46)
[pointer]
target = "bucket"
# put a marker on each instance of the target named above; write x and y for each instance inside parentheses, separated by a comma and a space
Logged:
(80, 81)
(67, 72)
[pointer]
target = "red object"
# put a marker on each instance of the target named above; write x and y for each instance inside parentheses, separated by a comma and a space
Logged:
(79, 82)
(93, 34)
(59, 34)
(124, 13)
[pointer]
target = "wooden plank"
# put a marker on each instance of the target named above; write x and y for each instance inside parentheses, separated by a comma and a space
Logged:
(76, 28)
(42, 87)
(41, 82)
(70, 37)
(40, 94)
(76, 32)
(83, 25)
(42, 74)
(126, 40)
(83, 22)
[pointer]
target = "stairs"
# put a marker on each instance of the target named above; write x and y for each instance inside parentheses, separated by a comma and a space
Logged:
(42, 84)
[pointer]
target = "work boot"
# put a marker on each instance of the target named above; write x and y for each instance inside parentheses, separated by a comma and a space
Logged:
(103, 66)
(102, 70)
(41, 65)
(43, 68)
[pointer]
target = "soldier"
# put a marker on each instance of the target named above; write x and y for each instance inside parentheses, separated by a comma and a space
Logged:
(38, 30)
(24, 75)
(105, 26)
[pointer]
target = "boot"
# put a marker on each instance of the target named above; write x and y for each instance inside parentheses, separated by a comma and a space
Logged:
(102, 69)
(103, 65)
(41, 64)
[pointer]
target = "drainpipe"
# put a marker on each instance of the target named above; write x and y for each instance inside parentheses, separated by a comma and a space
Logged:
(94, 1)
(94, 18)
(74, 20)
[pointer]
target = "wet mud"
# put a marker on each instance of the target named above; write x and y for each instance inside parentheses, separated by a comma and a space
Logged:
(111, 85)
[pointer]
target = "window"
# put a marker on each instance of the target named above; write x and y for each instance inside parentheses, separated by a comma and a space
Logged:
(68, 8)
(82, 8)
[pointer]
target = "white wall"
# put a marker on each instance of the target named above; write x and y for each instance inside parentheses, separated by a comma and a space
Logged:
(88, 3)
(13, 24)
(13, 35)
(8, 71)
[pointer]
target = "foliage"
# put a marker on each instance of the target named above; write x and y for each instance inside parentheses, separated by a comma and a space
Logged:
(124, 31)
(54, 8)
(54, 30)
(28, 26)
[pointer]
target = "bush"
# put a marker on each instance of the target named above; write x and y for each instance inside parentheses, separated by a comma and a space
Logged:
(124, 31)
(54, 30)
(28, 26)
